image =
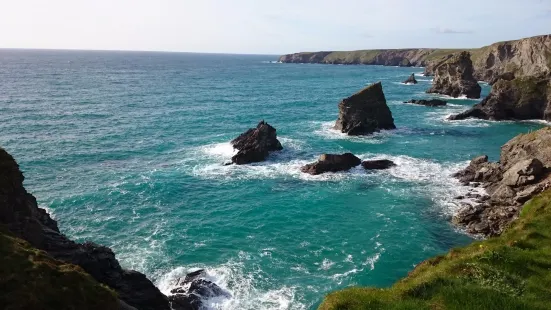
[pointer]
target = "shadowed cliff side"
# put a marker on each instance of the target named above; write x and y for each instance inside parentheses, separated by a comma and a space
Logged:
(22, 218)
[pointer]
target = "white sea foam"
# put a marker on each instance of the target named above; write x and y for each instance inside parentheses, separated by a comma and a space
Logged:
(48, 210)
(246, 289)
(372, 260)
(326, 130)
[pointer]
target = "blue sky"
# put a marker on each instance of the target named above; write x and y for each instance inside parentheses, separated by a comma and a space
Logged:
(267, 27)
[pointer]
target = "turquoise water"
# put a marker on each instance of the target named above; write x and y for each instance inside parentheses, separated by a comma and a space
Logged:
(126, 149)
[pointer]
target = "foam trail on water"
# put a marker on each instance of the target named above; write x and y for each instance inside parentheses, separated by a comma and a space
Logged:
(245, 288)
(326, 130)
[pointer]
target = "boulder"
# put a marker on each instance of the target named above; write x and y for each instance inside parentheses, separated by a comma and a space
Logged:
(365, 112)
(411, 79)
(454, 77)
(190, 293)
(255, 144)
(332, 163)
(523, 173)
(379, 164)
(516, 99)
(428, 103)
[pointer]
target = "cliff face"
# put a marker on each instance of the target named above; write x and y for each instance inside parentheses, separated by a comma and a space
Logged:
(455, 78)
(21, 217)
(517, 99)
(524, 57)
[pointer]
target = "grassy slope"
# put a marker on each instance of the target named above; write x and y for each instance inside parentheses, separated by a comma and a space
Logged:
(30, 279)
(512, 271)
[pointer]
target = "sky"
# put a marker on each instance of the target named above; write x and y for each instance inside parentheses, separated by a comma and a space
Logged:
(267, 27)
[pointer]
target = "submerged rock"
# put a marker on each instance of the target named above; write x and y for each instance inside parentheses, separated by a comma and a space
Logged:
(428, 103)
(411, 79)
(454, 77)
(379, 164)
(255, 144)
(365, 112)
(193, 290)
(521, 173)
(332, 163)
(516, 99)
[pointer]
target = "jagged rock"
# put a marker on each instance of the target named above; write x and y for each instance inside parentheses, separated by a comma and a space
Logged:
(522, 172)
(20, 214)
(411, 79)
(332, 163)
(365, 112)
(255, 144)
(517, 99)
(428, 103)
(455, 78)
(190, 293)
(379, 164)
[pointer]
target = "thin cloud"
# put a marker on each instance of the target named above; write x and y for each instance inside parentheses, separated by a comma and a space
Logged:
(451, 31)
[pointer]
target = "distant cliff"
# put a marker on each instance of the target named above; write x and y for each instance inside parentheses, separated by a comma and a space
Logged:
(524, 57)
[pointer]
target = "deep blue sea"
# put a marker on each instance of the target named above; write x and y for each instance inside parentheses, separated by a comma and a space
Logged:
(126, 149)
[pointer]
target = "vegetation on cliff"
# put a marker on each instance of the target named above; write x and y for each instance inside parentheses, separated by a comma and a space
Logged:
(512, 271)
(30, 279)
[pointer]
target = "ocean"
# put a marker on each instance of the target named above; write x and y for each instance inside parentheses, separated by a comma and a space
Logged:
(126, 149)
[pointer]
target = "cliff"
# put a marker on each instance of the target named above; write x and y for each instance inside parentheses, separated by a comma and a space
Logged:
(454, 77)
(59, 260)
(525, 57)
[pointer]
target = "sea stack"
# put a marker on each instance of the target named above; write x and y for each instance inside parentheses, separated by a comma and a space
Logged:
(514, 99)
(332, 163)
(365, 112)
(428, 103)
(255, 144)
(454, 77)
(411, 79)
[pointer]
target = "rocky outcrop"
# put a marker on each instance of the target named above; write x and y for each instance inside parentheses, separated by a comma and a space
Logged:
(517, 99)
(255, 144)
(190, 292)
(20, 214)
(332, 163)
(428, 103)
(411, 79)
(398, 57)
(455, 78)
(365, 112)
(522, 172)
(379, 164)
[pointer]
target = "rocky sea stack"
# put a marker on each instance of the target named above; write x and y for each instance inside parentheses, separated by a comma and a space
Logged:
(192, 290)
(454, 77)
(411, 79)
(514, 99)
(22, 218)
(332, 163)
(522, 172)
(365, 112)
(255, 144)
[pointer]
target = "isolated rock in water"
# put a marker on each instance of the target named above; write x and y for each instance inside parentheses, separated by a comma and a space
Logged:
(255, 144)
(411, 79)
(455, 78)
(522, 172)
(332, 163)
(428, 103)
(365, 112)
(517, 99)
(379, 164)
(190, 293)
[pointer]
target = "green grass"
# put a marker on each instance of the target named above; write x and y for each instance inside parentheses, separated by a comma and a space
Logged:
(512, 271)
(30, 279)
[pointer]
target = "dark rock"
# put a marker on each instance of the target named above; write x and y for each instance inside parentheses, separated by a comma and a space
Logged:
(411, 79)
(332, 163)
(517, 99)
(454, 77)
(378, 164)
(20, 214)
(365, 112)
(255, 144)
(428, 103)
(193, 290)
